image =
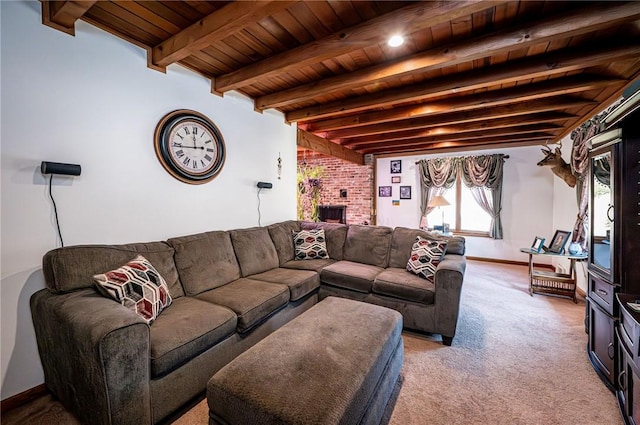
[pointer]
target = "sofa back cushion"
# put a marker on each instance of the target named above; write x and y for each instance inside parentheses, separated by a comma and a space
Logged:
(403, 239)
(334, 233)
(205, 261)
(368, 244)
(255, 250)
(281, 235)
(73, 267)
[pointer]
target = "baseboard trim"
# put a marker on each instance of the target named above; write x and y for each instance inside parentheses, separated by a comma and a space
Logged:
(23, 398)
(513, 262)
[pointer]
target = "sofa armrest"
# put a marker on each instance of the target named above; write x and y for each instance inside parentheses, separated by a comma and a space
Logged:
(95, 355)
(448, 289)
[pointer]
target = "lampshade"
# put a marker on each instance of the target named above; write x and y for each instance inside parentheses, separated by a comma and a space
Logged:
(438, 201)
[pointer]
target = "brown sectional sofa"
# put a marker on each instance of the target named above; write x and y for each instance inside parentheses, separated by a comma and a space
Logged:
(230, 289)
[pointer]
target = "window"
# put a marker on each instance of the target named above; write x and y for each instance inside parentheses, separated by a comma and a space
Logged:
(464, 215)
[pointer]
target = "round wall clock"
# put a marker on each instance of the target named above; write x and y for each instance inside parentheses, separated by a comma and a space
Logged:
(189, 146)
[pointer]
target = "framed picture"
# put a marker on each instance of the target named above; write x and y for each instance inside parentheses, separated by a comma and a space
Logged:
(405, 192)
(537, 244)
(395, 179)
(384, 191)
(396, 166)
(559, 241)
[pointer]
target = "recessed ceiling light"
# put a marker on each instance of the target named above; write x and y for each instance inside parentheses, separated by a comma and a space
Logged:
(395, 41)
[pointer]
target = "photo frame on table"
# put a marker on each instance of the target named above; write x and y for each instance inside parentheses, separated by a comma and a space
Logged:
(537, 244)
(405, 192)
(558, 242)
(384, 191)
(395, 179)
(396, 166)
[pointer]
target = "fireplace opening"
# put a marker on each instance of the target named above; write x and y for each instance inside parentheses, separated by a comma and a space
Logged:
(333, 213)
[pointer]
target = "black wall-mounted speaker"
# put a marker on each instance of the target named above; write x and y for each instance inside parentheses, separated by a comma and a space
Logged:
(265, 185)
(60, 168)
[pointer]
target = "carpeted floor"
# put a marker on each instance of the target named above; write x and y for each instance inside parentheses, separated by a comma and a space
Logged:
(516, 359)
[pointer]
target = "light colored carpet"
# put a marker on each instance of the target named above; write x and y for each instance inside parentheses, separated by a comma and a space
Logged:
(516, 359)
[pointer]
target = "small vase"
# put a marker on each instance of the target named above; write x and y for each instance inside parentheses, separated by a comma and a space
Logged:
(575, 248)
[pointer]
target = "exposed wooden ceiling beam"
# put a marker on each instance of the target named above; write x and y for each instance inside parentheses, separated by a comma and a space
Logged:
(566, 25)
(62, 15)
(455, 137)
(532, 139)
(502, 107)
(457, 120)
(524, 69)
(311, 141)
(222, 23)
(446, 147)
(493, 127)
(410, 18)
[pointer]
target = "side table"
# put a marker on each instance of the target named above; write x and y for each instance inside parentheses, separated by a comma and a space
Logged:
(547, 282)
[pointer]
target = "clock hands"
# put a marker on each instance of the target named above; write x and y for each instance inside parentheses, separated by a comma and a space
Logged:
(180, 145)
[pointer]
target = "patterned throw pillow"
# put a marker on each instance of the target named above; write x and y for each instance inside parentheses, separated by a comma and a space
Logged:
(310, 244)
(138, 286)
(425, 257)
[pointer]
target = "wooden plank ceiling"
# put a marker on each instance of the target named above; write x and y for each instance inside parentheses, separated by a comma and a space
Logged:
(470, 75)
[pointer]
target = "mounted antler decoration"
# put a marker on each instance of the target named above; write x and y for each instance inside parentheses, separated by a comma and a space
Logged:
(559, 167)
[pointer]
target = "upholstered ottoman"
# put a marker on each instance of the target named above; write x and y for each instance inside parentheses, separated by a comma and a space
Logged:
(337, 363)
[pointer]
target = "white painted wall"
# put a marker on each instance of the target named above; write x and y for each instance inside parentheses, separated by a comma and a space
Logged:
(527, 202)
(91, 100)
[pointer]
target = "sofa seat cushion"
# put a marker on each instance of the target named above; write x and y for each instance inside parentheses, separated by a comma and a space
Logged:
(399, 283)
(252, 300)
(347, 274)
(186, 329)
(300, 282)
(315, 265)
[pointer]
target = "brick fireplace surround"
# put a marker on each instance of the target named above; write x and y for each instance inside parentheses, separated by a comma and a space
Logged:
(356, 179)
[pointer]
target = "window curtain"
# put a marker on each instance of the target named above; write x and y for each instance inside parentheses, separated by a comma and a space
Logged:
(483, 175)
(436, 176)
(580, 166)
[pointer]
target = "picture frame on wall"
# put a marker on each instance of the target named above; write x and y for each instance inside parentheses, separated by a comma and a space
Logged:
(396, 166)
(405, 192)
(558, 242)
(395, 179)
(384, 191)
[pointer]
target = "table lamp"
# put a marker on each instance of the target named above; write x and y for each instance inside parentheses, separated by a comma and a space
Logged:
(439, 201)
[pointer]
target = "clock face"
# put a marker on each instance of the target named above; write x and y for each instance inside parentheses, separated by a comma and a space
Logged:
(189, 146)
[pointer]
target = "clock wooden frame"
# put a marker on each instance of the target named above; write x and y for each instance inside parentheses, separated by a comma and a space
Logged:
(162, 146)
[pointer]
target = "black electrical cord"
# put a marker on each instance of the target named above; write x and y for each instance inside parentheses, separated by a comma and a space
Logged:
(55, 209)
(259, 225)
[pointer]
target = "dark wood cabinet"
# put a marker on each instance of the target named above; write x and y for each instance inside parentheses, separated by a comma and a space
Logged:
(614, 254)
(627, 359)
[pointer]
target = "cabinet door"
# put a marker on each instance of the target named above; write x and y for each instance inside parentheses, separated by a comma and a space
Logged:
(601, 342)
(628, 386)
(633, 393)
